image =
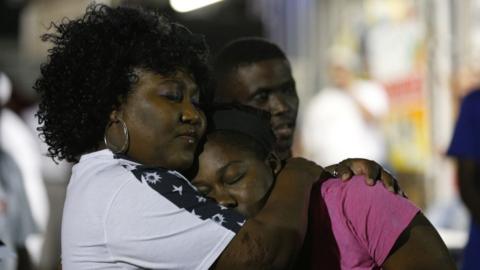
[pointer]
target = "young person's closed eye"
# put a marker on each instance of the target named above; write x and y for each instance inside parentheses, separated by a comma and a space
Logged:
(234, 173)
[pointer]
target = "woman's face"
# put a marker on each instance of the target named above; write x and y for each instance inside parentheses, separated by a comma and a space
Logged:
(163, 119)
(234, 177)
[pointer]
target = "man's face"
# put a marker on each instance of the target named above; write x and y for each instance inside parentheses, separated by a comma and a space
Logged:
(232, 175)
(267, 85)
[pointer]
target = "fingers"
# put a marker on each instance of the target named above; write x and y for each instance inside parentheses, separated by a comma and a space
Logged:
(391, 183)
(340, 170)
(388, 181)
(374, 171)
(368, 168)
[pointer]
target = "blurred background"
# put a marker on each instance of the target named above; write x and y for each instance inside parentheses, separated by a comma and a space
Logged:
(422, 54)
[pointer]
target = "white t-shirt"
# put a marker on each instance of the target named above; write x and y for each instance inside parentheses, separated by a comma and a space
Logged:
(119, 214)
(333, 127)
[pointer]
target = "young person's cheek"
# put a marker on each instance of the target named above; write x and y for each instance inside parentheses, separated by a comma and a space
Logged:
(251, 199)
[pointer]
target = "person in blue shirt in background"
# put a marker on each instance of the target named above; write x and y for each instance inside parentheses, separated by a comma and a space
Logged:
(465, 148)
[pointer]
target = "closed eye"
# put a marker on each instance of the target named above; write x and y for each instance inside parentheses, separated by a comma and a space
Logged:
(174, 97)
(204, 190)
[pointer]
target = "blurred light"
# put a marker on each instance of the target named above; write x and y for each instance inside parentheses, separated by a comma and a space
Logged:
(189, 5)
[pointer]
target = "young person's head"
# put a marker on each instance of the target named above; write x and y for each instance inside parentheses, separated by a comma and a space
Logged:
(256, 72)
(238, 164)
(125, 79)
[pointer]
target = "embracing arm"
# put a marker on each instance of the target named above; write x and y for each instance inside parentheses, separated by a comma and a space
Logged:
(272, 239)
(419, 247)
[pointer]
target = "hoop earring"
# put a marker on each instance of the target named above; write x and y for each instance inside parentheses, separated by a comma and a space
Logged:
(112, 147)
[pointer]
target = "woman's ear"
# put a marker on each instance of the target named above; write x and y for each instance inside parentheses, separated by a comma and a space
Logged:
(115, 115)
(274, 162)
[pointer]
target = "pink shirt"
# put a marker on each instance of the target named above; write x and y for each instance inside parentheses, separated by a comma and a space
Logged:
(352, 225)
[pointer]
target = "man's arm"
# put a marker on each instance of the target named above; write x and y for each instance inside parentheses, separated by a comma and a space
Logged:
(272, 239)
(467, 173)
(419, 247)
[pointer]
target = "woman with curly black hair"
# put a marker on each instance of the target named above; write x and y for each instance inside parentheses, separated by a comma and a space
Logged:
(120, 96)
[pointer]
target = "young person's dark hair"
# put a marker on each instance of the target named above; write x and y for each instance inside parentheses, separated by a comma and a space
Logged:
(91, 70)
(243, 123)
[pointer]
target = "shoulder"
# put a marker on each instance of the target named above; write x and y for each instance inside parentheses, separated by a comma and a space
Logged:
(355, 195)
(366, 219)
(98, 167)
(471, 102)
(473, 96)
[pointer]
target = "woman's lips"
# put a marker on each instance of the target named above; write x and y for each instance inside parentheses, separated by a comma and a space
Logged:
(189, 139)
(191, 136)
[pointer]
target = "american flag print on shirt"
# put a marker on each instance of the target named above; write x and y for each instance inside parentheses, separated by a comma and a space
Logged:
(177, 189)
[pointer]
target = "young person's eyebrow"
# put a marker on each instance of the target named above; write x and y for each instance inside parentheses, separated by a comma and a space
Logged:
(225, 167)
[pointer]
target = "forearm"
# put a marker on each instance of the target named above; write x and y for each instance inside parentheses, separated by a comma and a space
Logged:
(272, 239)
(288, 204)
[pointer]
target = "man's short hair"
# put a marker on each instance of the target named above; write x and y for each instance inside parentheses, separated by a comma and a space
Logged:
(245, 51)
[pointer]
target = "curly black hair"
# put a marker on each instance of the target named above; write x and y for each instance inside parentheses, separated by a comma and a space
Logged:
(90, 71)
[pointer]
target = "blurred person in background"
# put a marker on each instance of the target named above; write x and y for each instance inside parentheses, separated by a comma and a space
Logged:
(465, 148)
(255, 72)
(16, 219)
(345, 118)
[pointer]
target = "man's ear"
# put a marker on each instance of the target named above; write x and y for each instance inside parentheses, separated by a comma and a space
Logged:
(274, 162)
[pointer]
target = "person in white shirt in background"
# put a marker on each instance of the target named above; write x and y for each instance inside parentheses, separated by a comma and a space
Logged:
(344, 119)
(20, 144)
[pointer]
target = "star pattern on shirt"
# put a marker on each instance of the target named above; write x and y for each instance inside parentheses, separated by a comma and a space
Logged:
(219, 218)
(129, 166)
(195, 214)
(177, 174)
(151, 177)
(174, 187)
(201, 199)
(178, 189)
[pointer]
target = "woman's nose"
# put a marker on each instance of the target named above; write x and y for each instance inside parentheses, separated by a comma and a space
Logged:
(190, 114)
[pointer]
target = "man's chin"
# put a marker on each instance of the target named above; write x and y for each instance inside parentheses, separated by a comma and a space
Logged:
(284, 150)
